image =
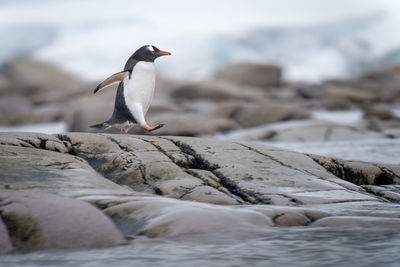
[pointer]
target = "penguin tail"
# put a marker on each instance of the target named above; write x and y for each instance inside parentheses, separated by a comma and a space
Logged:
(102, 125)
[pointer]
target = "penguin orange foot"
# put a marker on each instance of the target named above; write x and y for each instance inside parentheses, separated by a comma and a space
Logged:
(135, 91)
(152, 128)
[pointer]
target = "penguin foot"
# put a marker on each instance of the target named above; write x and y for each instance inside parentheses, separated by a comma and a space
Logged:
(152, 128)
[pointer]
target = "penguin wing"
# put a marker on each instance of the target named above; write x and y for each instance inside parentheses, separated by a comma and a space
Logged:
(113, 79)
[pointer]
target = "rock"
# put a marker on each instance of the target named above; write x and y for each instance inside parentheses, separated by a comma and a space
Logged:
(336, 104)
(345, 94)
(161, 105)
(53, 112)
(180, 168)
(254, 184)
(33, 77)
(35, 161)
(360, 173)
(215, 91)
(208, 194)
(37, 220)
(89, 109)
(265, 112)
(5, 242)
(176, 219)
(307, 130)
(380, 117)
(190, 124)
(5, 86)
(290, 216)
(386, 75)
(65, 96)
(383, 84)
(389, 192)
(182, 187)
(251, 74)
(15, 109)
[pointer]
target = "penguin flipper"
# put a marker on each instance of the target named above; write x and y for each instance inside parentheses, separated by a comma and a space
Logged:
(113, 79)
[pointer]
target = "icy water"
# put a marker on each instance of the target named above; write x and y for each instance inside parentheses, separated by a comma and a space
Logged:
(286, 246)
(374, 150)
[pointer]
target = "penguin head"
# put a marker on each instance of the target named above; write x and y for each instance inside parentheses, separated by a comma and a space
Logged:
(149, 53)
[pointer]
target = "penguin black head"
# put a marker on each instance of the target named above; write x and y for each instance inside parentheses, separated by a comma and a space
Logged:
(149, 53)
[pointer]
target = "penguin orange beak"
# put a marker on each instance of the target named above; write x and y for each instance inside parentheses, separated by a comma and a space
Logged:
(162, 53)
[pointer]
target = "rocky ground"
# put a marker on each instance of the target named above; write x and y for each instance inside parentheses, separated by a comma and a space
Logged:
(238, 96)
(83, 190)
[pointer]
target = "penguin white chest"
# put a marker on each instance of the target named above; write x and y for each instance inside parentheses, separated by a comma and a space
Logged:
(139, 89)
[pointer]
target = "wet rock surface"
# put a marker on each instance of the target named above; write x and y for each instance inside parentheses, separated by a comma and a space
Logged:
(175, 187)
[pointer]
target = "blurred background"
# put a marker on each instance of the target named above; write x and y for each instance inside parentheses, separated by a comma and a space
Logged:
(314, 76)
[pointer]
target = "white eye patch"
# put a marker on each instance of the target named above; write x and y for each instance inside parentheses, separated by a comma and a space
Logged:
(150, 47)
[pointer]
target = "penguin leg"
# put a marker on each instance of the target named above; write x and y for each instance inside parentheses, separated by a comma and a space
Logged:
(152, 128)
(137, 112)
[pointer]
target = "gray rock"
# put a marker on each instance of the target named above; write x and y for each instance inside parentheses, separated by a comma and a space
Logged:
(15, 109)
(89, 109)
(208, 194)
(190, 124)
(157, 217)
(5, 86)
(34, 78)
(251, 74)
(389, 192)
(5, 242)
(291, 216)
(28, 163)
(266, 111)
(38, 220)
(189, 168)
(382, 84)
(215, 91)
(349, 94)
(304, 130)
(360, 173)
(381, 118)
(33, 140)
(155, 186)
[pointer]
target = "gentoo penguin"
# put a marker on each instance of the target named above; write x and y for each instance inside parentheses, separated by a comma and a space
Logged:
(135, 90)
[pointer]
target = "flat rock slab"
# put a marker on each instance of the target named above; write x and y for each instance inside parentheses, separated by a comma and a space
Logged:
(38, 220)
(196, 169)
